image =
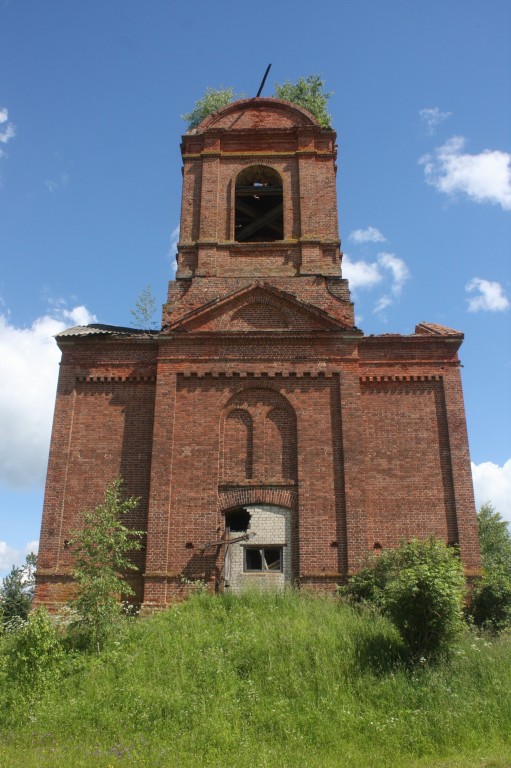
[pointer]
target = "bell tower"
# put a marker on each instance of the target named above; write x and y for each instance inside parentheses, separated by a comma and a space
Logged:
(259, 203)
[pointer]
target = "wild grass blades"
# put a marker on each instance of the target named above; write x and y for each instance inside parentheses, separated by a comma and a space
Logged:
(273, 679)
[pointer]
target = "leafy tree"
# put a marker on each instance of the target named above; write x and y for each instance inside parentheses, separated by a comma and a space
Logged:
(494, 539)
(420, 587)
(212, 101)
(101, 554)
(309, 93)
(490, 601)
(17, 591)
(145, 307)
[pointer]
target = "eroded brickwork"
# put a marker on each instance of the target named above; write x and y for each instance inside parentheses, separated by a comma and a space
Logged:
(259, 393)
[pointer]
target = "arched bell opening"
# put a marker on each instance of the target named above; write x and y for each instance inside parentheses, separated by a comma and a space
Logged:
(258, 205)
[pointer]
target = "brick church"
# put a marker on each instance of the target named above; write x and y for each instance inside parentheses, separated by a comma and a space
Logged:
(269, 440)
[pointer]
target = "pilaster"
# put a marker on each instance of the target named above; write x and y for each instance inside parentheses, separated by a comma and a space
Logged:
(160, 494)
(461, 473)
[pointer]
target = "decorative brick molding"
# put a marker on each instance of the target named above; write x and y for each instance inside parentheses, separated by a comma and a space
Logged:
(121, 378)
(269, 374)
(379, 379)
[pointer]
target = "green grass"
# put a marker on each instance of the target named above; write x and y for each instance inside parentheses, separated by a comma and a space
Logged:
(266, 680)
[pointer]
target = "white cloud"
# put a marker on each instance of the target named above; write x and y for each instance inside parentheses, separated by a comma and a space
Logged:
(7, 133)
(432, 117)
(398, 269)
(367, 274)
(31, 546)
(29, 361)
(52, 185)
(493, 483)
(174, 240)
(7, 129)
(361, 274)
(369, 235)
(382, 303)
(78, 315)
(10, 556)
(484, 178)
(490, 296)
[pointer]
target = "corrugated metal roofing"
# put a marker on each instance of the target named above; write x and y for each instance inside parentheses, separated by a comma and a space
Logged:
(98, 329)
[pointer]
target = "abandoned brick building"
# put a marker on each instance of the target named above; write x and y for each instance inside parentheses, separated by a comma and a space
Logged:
(269, 440)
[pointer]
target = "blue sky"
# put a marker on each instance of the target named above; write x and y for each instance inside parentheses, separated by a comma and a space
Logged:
(90, 101)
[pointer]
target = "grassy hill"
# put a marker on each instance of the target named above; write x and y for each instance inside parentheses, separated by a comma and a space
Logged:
(261, 681)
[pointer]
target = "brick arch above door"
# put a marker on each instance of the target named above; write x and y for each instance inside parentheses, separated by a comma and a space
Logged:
(239, 497)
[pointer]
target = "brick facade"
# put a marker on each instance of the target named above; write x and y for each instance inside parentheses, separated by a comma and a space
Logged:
(259, 395)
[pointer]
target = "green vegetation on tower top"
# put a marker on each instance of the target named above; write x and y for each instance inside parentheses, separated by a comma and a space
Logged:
(307, 92)
(213, 100)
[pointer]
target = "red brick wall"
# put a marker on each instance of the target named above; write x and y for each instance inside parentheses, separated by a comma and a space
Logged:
(407, 475)
(102, 431)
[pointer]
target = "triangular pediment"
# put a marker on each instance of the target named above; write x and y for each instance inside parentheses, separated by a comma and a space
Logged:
(260, 307)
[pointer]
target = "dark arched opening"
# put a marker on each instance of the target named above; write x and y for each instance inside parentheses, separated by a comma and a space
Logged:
(259, 210)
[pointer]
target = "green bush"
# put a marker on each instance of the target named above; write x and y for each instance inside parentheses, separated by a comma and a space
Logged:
(490, 603)
(309, 93)
(420, 587)
(34, 650)
(213, 100)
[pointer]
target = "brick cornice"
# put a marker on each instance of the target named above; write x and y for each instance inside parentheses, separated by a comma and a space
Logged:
(124, 378)
(380, 379)
(328, 154)
(251, 375)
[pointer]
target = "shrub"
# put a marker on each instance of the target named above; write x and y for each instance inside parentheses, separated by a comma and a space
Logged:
(100, 551)
(35, 651)
(309, 93)
(212, 101)
(490, 602)
(420, 587)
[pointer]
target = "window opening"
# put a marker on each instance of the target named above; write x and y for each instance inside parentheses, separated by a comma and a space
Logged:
(263, 559)
(259, 210)
(237, 521)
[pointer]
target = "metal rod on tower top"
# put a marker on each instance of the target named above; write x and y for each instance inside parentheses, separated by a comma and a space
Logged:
(263, 81)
